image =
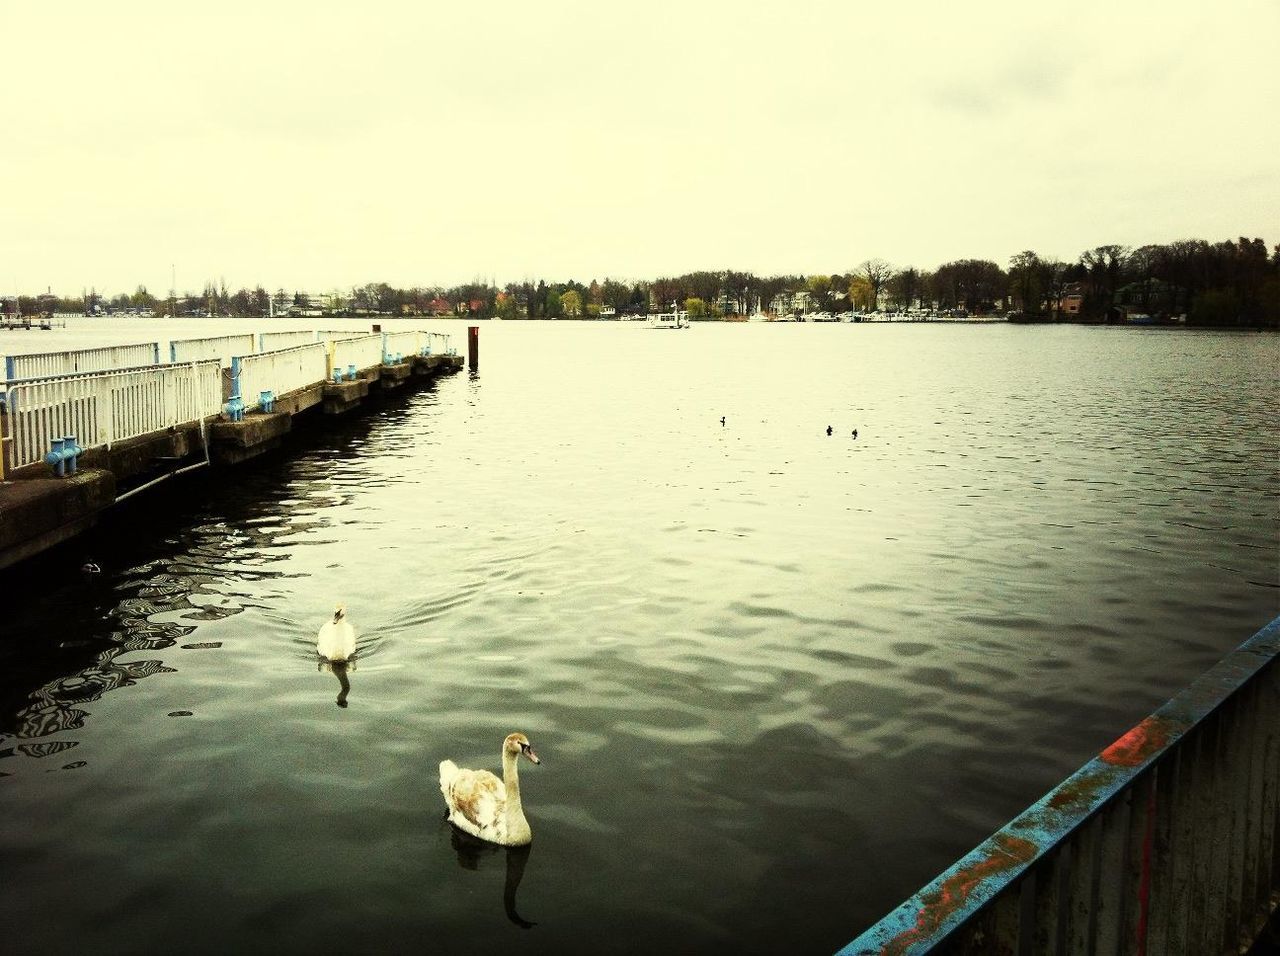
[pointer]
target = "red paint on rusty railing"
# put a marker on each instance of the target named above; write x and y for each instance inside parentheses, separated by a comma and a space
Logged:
(954, 894)
(1134, 748)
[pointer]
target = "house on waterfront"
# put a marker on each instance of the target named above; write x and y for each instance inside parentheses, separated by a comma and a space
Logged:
(789, 303)
(312, 306)
(1069, 301)
(1148, 297)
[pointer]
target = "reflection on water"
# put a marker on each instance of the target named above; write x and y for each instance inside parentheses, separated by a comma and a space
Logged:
(340, 670)
(787, 679)
(154, 610)
(472, 853)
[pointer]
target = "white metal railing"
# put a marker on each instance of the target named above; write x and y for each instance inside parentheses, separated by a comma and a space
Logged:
(437, 343)
(402, 343)
(363, 353)
(280, 372)
(48, 364)
(102, 408)
(221, 347)
(331, 335)
(275, 341)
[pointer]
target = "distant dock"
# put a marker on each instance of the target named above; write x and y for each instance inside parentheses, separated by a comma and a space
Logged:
(83, 430)
(29, 322)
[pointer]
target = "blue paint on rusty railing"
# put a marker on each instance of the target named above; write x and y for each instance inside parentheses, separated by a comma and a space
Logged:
(1122, 868)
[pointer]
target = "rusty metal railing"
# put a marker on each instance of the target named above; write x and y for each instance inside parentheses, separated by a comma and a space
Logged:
(1166, 842)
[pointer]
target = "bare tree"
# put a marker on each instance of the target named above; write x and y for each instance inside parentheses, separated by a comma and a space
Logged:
(1105, 268)
(877, 272)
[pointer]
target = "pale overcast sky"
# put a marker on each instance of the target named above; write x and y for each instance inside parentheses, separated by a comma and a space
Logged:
(315, 146)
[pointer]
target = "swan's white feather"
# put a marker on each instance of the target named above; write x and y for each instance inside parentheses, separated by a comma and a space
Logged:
(336, 640)
(477, 800)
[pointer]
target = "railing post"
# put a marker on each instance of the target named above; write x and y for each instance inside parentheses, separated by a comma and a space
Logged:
(1117, 890)
(235, 404)
(4, 433)
(1139, 858)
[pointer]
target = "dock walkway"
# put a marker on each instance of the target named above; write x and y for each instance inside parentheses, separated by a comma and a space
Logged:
(82, 430)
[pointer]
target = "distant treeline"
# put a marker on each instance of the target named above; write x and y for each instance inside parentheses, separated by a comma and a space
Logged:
(1228, 283)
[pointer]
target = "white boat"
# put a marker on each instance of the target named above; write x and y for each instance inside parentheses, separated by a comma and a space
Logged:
(675, 319)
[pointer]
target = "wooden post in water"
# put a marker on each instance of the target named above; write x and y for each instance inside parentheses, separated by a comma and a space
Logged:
(473, 347)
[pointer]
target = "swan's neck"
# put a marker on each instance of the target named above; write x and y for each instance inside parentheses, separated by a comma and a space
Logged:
(517, 825)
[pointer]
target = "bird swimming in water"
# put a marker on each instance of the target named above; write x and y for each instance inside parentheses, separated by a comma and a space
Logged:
(337, 638)
(855, 434)
(722, 421)
(828, 429)
(484, 806)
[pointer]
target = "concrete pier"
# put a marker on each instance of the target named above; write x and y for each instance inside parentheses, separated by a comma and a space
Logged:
(393, 376)
(234, 442)
(38, 511)
(341, 397)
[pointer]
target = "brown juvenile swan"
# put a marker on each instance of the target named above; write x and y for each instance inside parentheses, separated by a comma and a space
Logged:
(484, 806)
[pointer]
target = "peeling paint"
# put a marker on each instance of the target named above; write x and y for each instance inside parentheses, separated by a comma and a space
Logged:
(938, 905)
(1138, 745)
(1078, 792)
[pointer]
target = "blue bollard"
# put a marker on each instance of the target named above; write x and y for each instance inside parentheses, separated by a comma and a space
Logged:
(73, 451)
(235, 408)
(267, 399)
(351, 373)
(56, 458)
(337, 376)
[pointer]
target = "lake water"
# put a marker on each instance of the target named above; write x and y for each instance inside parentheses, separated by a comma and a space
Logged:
(778, 680)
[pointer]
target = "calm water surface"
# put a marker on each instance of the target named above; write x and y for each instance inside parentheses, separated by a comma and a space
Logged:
(778, 680)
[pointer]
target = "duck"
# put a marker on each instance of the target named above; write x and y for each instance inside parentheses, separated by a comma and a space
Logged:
(484, 806)
(337, 638)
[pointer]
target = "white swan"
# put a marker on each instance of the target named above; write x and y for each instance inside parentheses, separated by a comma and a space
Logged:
(337, 638)
(484, 806)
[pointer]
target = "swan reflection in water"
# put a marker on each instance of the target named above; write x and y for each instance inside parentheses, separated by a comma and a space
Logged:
(471, 851)
(339, 669)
